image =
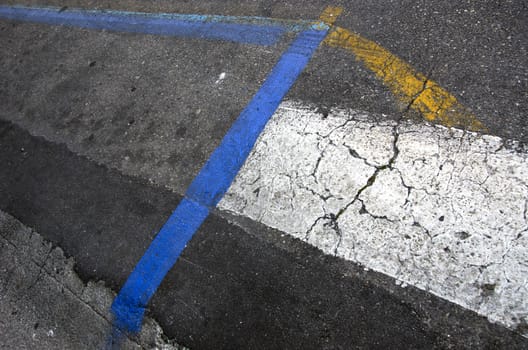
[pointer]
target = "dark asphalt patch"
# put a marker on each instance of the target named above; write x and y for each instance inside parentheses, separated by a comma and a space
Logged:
(233, 287)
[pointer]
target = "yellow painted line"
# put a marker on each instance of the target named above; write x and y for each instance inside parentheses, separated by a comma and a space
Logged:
(412, 88)
(330, 14)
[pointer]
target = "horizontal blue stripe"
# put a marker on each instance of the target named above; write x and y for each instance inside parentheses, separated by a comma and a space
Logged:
(247, 30)
(211, 183)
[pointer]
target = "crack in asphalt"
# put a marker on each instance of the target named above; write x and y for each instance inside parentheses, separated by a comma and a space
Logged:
(356, 188)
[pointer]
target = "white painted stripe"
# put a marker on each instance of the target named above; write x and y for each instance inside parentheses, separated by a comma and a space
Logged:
(441, 209)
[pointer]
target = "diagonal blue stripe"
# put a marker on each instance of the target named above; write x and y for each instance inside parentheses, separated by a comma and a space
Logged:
(129, 305)
(214, 179)
(210, 184)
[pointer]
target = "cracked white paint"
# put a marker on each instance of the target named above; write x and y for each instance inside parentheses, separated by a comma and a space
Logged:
(441, 209)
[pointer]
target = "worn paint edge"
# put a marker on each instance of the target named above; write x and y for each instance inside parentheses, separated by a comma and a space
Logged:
(246, 30)
(413, 89)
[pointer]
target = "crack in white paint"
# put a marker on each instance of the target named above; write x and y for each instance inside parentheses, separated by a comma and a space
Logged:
(441, 209)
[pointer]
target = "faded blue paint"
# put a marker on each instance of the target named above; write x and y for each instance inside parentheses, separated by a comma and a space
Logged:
(247, 30)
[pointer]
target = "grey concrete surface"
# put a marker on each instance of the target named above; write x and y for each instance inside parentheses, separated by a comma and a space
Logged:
(148, 107)
(45, 305)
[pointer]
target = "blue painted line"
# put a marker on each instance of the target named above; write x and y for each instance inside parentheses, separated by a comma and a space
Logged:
(129, 305)
(214, 179)
(211, 183)
(246, 30)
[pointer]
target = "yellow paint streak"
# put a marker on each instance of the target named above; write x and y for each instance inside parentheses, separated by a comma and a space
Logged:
(412, 88)
(330, 14)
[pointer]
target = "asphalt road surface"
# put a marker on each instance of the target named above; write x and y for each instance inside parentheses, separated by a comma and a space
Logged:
(360, 219)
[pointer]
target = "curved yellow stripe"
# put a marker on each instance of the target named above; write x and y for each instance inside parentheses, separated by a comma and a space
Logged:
(412, 88)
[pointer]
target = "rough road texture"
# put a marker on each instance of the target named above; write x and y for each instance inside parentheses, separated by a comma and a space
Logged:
(45, 305)
(281, 292)
(441, 209)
